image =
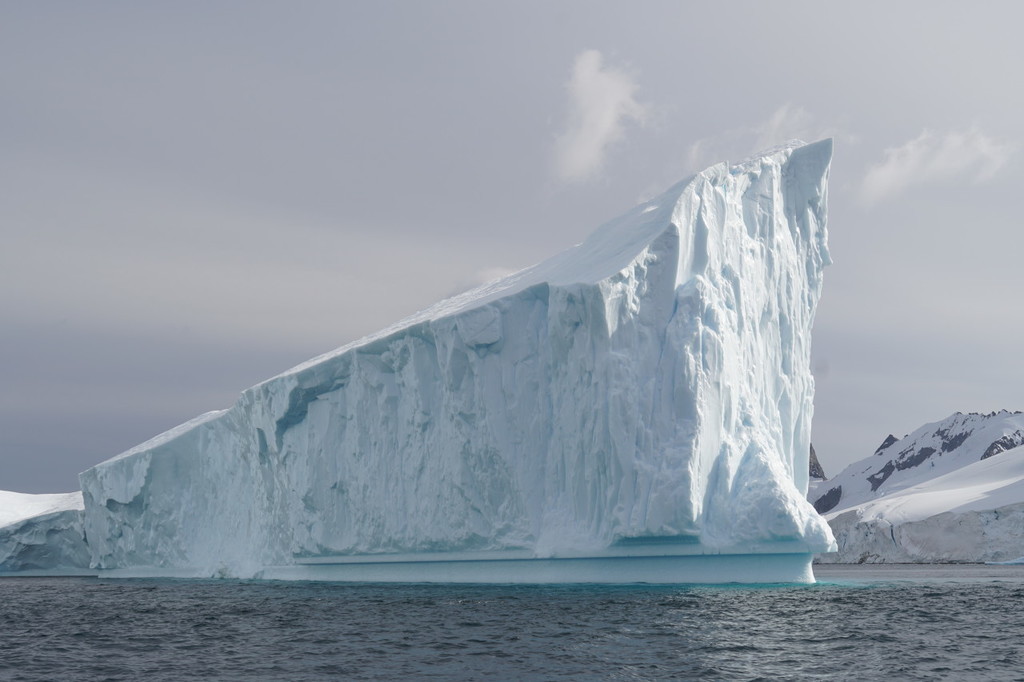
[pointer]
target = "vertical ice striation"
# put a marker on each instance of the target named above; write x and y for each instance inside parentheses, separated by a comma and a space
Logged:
(649, 387)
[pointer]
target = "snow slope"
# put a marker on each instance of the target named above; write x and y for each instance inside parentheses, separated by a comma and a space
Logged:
(951, 491)
(986, 484)
(649, 387)
(15, 507)
(42, 532)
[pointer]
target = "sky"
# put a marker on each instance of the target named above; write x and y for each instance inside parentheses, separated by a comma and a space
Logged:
(198, 196)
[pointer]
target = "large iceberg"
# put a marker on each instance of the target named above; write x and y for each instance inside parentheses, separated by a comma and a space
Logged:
(637, 408)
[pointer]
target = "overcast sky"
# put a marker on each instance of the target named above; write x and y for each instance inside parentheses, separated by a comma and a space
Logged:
(196, 196)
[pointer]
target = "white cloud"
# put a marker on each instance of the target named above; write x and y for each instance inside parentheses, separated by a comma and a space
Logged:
(788, 122)
(601, 103)
(931, 158)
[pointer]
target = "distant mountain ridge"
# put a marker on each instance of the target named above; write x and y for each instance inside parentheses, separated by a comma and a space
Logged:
(931, 450)
(952, 490)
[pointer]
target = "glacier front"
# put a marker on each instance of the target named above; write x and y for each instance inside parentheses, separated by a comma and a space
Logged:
(637, 408)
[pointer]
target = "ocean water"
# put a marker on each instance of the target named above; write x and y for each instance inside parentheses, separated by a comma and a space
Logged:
(857, 623)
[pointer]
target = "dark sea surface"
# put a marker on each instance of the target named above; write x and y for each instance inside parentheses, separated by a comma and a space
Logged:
(857, 623)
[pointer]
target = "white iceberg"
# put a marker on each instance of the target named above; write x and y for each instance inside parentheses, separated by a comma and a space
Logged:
(637, 408)
(42, 534)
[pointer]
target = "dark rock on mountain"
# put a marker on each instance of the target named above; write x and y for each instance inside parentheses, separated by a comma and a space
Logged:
(815, 466)
(829, 500)
(879, 477)
(1003, 444)
(889, 440)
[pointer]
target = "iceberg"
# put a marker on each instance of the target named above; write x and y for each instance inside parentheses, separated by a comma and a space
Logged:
(637, 408)
(42, 534)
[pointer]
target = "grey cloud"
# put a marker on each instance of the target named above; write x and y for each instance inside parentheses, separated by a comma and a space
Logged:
(222, 191)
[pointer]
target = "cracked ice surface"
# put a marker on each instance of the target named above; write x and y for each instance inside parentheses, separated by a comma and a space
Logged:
(652, 382)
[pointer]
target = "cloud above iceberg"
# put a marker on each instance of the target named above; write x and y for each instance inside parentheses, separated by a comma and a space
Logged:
(602, 103)
(788, 122)
(931, 158)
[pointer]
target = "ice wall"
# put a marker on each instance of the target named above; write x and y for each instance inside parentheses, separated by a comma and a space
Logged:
(651, 383)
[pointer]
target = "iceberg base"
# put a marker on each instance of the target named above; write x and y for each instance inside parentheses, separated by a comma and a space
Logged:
(703, 568)
(59, 572)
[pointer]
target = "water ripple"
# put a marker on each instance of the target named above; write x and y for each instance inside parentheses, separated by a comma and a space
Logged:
(872, 625)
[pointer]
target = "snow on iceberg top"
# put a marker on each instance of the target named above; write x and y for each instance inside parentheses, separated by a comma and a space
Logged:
(16, 507)
(608, 250)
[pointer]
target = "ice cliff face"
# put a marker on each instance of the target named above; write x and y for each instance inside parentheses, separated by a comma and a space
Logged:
(652, 382)
(952, 490)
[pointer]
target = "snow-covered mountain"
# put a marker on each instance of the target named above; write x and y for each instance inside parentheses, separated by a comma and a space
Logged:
(952, 490)
(635, 408)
